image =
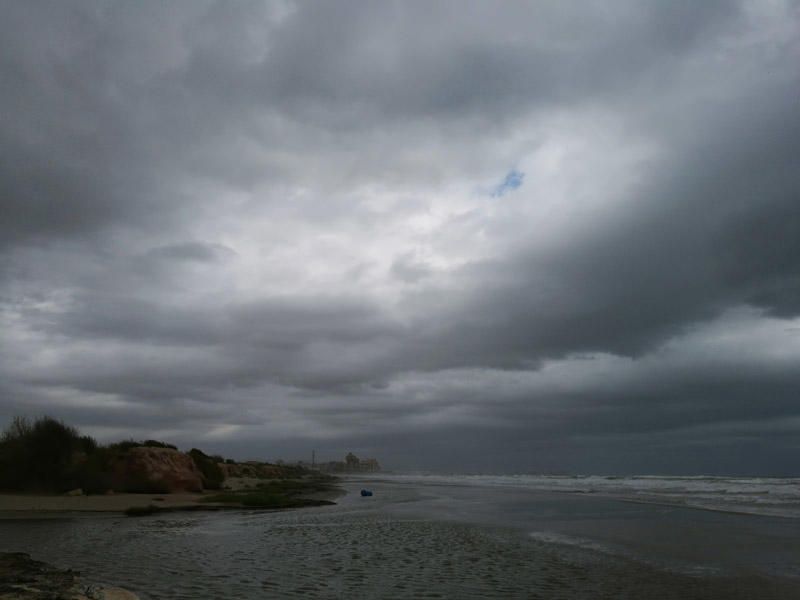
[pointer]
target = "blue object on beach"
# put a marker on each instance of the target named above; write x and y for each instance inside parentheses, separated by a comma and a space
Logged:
(366, 493)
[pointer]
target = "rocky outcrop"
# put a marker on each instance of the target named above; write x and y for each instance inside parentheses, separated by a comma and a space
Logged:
(157, 470)
(22, 578)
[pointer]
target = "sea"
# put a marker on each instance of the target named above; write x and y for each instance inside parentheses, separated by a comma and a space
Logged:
(452, 536)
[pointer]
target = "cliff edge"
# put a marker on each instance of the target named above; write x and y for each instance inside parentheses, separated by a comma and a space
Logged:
(165, 468)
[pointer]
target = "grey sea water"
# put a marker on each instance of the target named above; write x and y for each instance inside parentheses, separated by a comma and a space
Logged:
(443, 538)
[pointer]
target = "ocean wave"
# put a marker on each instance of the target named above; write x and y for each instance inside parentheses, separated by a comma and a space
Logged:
(768, 496)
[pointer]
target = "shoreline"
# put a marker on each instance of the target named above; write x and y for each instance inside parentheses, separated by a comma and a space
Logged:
(15, 504)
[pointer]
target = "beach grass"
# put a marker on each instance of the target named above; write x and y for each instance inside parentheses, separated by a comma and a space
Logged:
(281, 493)
(268, 495)
(259, 499)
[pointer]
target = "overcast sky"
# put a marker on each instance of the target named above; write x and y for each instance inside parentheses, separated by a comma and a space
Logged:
(547, 236)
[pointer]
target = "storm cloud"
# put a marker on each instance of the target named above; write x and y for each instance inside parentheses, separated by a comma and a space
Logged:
(520, 237)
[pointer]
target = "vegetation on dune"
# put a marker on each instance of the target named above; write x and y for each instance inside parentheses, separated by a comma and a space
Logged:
(281, 493)
(209, 467)
(260, 499)
(305, 485)
(47, 456)
(278, 494)
(319, 482)
(39, 455)
(157, 444)
(96, 470)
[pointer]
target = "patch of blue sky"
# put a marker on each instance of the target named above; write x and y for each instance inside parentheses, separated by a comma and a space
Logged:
(512, 181)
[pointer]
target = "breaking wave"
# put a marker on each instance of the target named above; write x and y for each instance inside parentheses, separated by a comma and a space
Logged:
(768, 496)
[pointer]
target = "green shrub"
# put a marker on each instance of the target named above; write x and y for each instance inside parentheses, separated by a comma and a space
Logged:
(157, 444)
(124, 446)
(45, 455)
(87, 444)
(139, 484)
(42, 455)
(255, 499)
(212, 474)
(94, 475)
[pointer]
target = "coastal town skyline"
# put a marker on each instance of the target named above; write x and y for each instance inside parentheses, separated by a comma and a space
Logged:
(557, 237)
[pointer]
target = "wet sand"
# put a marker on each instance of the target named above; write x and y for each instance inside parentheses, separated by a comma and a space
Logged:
(23, 504)
(405, 542)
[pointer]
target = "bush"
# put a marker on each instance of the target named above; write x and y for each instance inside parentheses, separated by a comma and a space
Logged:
(212, 474)
(45, 455)
(88, 444)
(42, 456)
(94, 475)
(258, 499)
(157, 444)
(143, 485)
(124, 446)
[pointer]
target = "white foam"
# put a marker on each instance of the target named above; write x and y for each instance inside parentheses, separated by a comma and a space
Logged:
(550, 537)
(769, 496)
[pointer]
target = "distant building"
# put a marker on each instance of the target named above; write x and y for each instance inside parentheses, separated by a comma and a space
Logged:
(369, 464)
(352, 462)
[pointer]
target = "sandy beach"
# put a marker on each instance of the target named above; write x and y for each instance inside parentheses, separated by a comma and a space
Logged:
(20, 504)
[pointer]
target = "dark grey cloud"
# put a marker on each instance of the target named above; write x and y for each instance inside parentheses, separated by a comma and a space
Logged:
(391, 63)
(718, 226)
(272, 226)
